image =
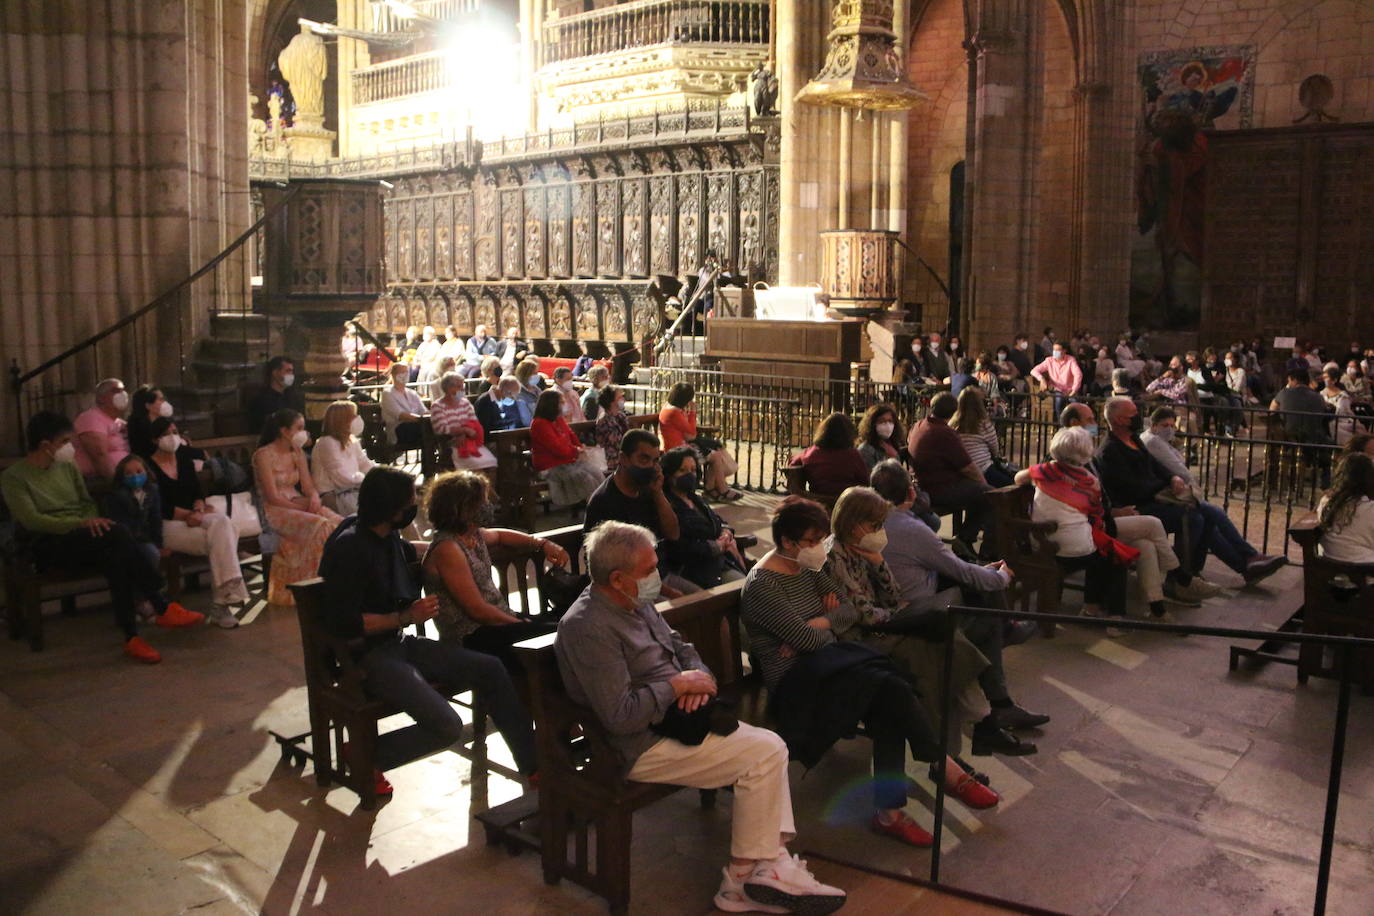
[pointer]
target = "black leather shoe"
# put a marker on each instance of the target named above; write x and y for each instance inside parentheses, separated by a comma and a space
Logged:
(1014, 717)
(989, 739)
(1262, 567)
(1021, 631)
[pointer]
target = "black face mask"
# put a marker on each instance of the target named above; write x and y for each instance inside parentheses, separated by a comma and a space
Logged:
(641, 476)
(1137, 423)
(686, 484)
(407, 516)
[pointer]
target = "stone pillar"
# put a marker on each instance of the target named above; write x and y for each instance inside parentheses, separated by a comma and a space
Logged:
(999, 176)
(351, 55)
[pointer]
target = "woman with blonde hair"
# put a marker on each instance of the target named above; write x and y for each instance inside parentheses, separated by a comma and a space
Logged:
(292, 504)
(338, 464)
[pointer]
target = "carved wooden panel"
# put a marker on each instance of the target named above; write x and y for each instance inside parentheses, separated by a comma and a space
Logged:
(616, 319)
(587, 322)
(512, 233)
(399, 316)
(487, 241)
(750, 201)
(424, 238)
(608, 228)
(662, 223)
(634, 228)
(463, 266)
(443, 237)
(535, 218)
(460, 313)
(406, 240)
(583, 229)
(535, 323)
(1343, 275)
(559, 210)
(484, 312)
(561, 319)
(720, 207)
(510, 317)
(689, 234)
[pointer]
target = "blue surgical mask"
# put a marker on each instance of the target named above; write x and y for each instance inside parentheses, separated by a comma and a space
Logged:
(136, 481)
(649, 588)
(506, 402)
(1091, 428)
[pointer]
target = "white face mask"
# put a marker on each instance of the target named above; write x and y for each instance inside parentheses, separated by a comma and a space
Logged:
(1165, 432)
(169, 443)
(812, 557)
(566, 386)
(120, 400)
(288, 380)
(300, 438)
(164, 409)
(65, 454)
(873, 542)
(885, 430)
(1058, 354)
(1230, 362)
(1022, 345)
(356, 427)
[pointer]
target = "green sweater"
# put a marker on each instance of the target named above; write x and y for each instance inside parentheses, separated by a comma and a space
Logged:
(52, 501)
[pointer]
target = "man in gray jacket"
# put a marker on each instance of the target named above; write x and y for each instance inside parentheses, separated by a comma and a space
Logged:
(618, 656)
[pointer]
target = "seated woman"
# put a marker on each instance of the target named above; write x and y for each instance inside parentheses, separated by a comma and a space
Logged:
(556, 453)
(979, 437)
(1103, 366)
(572, 405)
(832, 464)
(291, 503)
(794, 608)
(453, 415)
(147, 405)
(337, 463)
(1338, 400)
(531, 385)
(457, 568)
(705, 552)
(854, 559)
(881, 436)
(195, 526)
(401, 410)
(611, 425)
(498, 409)
(677, 425)
(598, 377)
(1068, 494)
(1347, 512)
(989, 380)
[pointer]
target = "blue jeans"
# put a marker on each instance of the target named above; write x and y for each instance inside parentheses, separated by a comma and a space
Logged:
(1199, 530)
(399, 673)
(1226, 543)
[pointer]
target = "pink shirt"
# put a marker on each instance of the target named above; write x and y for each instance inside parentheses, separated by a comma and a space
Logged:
(1064, 374)
(108, 428)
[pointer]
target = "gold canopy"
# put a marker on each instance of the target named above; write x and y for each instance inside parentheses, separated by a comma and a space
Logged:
(864, 68)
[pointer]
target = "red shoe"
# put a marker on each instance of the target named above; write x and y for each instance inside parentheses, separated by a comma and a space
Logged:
(904, 829)
(140, 651)
(381, 783)
(974, 794)
(178, 616)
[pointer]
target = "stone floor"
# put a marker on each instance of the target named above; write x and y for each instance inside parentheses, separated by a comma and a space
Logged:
(1164, 785)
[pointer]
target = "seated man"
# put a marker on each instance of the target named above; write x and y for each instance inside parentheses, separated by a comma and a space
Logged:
(931, 578)
(619, 657)
(634, 494)
(1060, 374)
(58, 520)
(480, 346)
(946, 472)
(1229, 544)
(370, 595)
(1304, 415)
(102, 438)
(278, 392)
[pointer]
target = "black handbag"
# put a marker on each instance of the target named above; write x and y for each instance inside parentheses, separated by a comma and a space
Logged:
(560, 589)
(714, 717)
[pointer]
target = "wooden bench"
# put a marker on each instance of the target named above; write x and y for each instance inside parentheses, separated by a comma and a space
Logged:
(584, 795)
(1333, 609)
(1025, 546)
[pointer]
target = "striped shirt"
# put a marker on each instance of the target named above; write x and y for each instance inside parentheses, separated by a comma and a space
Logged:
(447, 416)
(775, 608)
(981, 446)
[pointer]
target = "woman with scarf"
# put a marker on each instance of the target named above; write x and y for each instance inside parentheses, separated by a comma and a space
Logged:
(1068, 494)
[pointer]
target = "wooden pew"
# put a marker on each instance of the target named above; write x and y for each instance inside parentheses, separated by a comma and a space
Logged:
(1027, 549)
(1333, 610)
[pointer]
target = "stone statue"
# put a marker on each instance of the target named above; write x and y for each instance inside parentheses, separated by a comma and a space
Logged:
(765, 89)
(274, 110)
(304, 64)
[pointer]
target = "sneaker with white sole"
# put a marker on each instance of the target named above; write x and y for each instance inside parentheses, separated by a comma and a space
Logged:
(787, 882)
(732, 897)
(1201, 589)
(222, 616)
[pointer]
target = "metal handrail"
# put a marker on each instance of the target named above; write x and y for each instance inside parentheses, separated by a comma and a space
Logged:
(162, 299)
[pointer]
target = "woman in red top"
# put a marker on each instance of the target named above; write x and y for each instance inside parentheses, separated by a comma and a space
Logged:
(556, 452)
(677, 425)
(832, 463)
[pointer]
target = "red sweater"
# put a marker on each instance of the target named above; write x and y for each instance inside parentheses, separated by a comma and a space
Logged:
(552, 442)
(831, 471)
(676, 426)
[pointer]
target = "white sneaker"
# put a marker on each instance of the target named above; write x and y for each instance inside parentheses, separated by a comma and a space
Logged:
(786, 882)
(222, 616)
(732, 898)
(1201, 589)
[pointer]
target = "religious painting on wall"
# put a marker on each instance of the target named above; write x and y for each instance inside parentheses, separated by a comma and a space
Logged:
(1182, 94)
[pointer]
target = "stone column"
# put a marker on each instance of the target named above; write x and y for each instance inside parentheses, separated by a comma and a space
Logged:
(999, 175)
(351, 55)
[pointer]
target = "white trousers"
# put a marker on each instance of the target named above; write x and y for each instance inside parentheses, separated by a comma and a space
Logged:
(216, 537)
(754, 761)
(1157, 558)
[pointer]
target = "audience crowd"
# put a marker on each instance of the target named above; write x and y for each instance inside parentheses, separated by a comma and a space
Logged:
(845, 615)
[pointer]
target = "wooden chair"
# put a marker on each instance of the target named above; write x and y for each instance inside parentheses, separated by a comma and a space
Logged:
(1027, 549)
(584, 795)
(795, 477)
(1332, 609)
(341, 711)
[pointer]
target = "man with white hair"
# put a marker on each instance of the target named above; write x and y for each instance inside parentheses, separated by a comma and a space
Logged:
(480, 345)
(618, 656)
(102, 437)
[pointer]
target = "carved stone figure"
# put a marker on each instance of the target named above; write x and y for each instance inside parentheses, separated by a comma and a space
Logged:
(765, 89)
(305, 64)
